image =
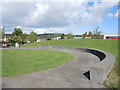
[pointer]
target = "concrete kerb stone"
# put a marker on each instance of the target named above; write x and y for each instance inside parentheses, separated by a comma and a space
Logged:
(98, 71)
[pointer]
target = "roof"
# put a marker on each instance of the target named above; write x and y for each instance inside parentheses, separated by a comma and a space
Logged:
(112, 35)
(77, 37)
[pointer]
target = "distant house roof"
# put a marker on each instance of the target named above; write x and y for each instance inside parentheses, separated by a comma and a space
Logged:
(80, 37)
(77, 37)
(87, 37)
(112, 35)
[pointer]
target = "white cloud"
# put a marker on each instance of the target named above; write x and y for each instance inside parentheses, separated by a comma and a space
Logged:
(27, 30)
(56, 16)
(38, 30)
(36, 16)
(13, 14)
(110, 15)
(117, 14)
(98, 11)
(93, 15)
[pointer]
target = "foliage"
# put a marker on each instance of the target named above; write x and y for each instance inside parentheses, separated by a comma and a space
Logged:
(97, 32)
(94, 34)
(2, 33)
(69, 36)
(85, 34)
(17, 32)
(83, 37)
(32, 37)
(15, 39)
(48, 38)
(89, 33)
(63, 36)
(20, 37)
(24, 37)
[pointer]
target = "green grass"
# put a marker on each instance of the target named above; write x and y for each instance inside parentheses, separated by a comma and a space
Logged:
(22, 61)
(107, 45)
(110, 46)
(0, 62)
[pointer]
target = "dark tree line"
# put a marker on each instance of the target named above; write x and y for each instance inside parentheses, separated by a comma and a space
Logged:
(2, 33)
(19, 37)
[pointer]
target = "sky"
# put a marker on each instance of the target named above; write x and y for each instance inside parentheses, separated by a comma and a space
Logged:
(60, 17)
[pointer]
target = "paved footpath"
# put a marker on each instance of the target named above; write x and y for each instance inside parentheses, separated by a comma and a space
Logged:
(68, 75)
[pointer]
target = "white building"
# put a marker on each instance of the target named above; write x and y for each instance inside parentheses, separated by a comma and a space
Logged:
(38, 40)
(5, 39)
(56, 38)
(112, 36)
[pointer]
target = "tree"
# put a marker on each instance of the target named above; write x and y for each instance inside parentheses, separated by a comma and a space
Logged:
(15, 39)
(89, 33)
(69, 36)
(85, 34)
(24, 37)
(63, 36)
(32, 37)
(97, 32)
(17, 31)
(2, 33)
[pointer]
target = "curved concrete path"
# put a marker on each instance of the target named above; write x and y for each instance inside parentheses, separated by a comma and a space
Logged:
(68, 75)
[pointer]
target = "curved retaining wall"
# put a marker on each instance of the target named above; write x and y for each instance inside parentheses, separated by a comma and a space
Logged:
(99, 71)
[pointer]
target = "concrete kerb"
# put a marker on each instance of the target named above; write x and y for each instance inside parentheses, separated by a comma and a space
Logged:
(98, 71)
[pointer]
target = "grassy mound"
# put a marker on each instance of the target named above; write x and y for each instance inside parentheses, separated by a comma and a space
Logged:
(22, 61)
(107, 45)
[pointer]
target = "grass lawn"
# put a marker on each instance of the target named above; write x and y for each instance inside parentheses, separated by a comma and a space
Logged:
(22, 61)
(107, 45)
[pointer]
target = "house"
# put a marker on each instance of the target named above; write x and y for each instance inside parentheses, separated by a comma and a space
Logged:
(40, 40)
(56, 38)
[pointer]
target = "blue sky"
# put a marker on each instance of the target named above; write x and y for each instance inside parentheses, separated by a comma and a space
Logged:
(60, 17)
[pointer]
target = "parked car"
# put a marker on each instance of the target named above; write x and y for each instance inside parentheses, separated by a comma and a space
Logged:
(4, 44)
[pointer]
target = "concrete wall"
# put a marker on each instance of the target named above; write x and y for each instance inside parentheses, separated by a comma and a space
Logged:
(99, 71)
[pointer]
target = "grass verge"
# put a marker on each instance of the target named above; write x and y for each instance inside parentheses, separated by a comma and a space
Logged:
(22, 61)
